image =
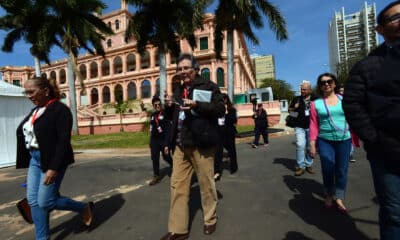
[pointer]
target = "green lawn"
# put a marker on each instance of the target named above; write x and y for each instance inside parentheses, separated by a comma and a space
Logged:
(121, 139)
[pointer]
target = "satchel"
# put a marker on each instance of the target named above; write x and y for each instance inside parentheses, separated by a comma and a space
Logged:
(290, 121)
(25, 210)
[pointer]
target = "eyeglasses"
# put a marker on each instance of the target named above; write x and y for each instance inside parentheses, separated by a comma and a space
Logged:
(184, 68)
(31, 92)
(393, 19)
(324, 82)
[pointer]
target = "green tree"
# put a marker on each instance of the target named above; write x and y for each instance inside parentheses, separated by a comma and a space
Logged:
(76, 26)
(280, 88)
(242, 15)
(161, 23)
(28, 20)
(120, 108)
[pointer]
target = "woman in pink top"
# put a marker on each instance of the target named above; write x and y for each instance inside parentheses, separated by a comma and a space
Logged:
(330, 132)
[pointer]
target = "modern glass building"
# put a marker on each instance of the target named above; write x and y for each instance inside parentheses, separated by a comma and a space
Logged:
(351, 35)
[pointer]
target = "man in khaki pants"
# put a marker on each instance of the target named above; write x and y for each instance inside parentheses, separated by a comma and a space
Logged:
(194, 110)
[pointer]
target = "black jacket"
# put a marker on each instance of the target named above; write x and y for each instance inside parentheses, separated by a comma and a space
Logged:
(371, 101)
(261, 120)
(228, 130)
(302, 121)
(53, 133)
(199, 129)
(159, 128)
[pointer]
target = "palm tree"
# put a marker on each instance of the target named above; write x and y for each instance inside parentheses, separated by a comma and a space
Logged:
(241, 15)
(27, 19)
(161, 23)
(76, 26)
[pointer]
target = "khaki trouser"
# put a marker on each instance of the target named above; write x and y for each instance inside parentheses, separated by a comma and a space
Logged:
(185, 161)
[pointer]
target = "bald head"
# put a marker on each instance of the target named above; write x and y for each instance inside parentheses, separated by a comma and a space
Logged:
(305, 89)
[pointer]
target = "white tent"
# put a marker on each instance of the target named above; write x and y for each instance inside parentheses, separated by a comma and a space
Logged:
(14, 106)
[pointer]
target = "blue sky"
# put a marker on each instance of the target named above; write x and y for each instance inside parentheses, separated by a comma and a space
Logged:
(303, 57)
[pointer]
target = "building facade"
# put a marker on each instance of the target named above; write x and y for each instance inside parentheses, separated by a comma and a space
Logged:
(124, 74)
(351, 35)
(264, 67)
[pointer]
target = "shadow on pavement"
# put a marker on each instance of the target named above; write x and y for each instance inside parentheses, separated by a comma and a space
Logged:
(307, 203)
(104, 210)
(292, 235)
(287, 162)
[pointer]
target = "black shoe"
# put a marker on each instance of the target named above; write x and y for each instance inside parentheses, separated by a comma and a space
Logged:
(217, 176)
(209, 229)
(156, 179)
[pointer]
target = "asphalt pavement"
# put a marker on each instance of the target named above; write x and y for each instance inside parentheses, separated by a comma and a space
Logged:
(263, 200)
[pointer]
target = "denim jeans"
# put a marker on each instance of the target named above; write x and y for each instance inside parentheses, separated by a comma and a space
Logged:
(387, 188)
(334, 157)
(302, 145)
(44, 198)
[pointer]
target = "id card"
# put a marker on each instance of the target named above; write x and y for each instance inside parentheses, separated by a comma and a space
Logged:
(307, 112)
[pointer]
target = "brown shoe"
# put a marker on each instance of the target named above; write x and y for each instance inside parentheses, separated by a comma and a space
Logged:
(299, 172)
(155, 180)
(87, 214)
(175, 236)
(310, 170)
(209, 229)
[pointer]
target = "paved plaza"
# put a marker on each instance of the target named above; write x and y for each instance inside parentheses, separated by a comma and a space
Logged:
(264, 200)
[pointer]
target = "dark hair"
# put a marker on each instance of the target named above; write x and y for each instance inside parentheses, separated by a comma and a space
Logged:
(42, 82)
(319, 79)
(381, 16)
(228, 100)
(189, 57)
(155, 99)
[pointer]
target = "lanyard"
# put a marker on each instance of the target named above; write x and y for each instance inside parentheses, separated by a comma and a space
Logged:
(185, 93)
(346, 126)
(158, 115)
(35, 114)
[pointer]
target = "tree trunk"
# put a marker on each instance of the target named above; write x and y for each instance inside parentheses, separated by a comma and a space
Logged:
(229, 37)
(163, 73)
(37, 66)
(72, 95)
(121, 127)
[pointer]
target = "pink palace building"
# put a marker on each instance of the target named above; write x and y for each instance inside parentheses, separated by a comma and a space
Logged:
(124, 73)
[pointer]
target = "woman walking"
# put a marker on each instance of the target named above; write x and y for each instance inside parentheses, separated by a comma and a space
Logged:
(329, 132)
(44, 147)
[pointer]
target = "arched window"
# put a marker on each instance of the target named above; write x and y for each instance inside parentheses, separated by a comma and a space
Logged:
(145, 60)
(109, 43)
(132, 91)
(220, 77)
(94, 96)
(109, 24)
(105, 68)
(131, 62)
(172, 58)
(117, 65)
(146, 89)
(53, 75)
(93, 70)
(82, 70)
(63, 77)
(118, 93)
(106, 95)
(205, 73)
(116, 24)
(158, 87)
(84, 98)
(44, 75)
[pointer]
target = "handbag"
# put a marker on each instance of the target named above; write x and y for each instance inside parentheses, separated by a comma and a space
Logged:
(291, 121)
(25, 210)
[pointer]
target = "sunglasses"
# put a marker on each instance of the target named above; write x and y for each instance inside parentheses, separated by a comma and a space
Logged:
(324, 82)
(182, 69)
(157, 104)
(393, 19)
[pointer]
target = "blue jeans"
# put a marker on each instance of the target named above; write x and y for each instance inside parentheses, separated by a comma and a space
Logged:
(302, 145)
(334, 157)
(387, 188)
(44, 198)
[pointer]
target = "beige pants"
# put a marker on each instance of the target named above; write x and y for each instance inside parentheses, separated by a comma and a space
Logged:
(185, 161)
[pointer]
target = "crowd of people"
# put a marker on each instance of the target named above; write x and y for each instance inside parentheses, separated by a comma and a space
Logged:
(197, 122)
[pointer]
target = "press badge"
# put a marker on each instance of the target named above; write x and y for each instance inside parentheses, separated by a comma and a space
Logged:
(307, 112)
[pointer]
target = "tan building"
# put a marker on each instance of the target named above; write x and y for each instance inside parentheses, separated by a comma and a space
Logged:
(124, 73)
(264, 67)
